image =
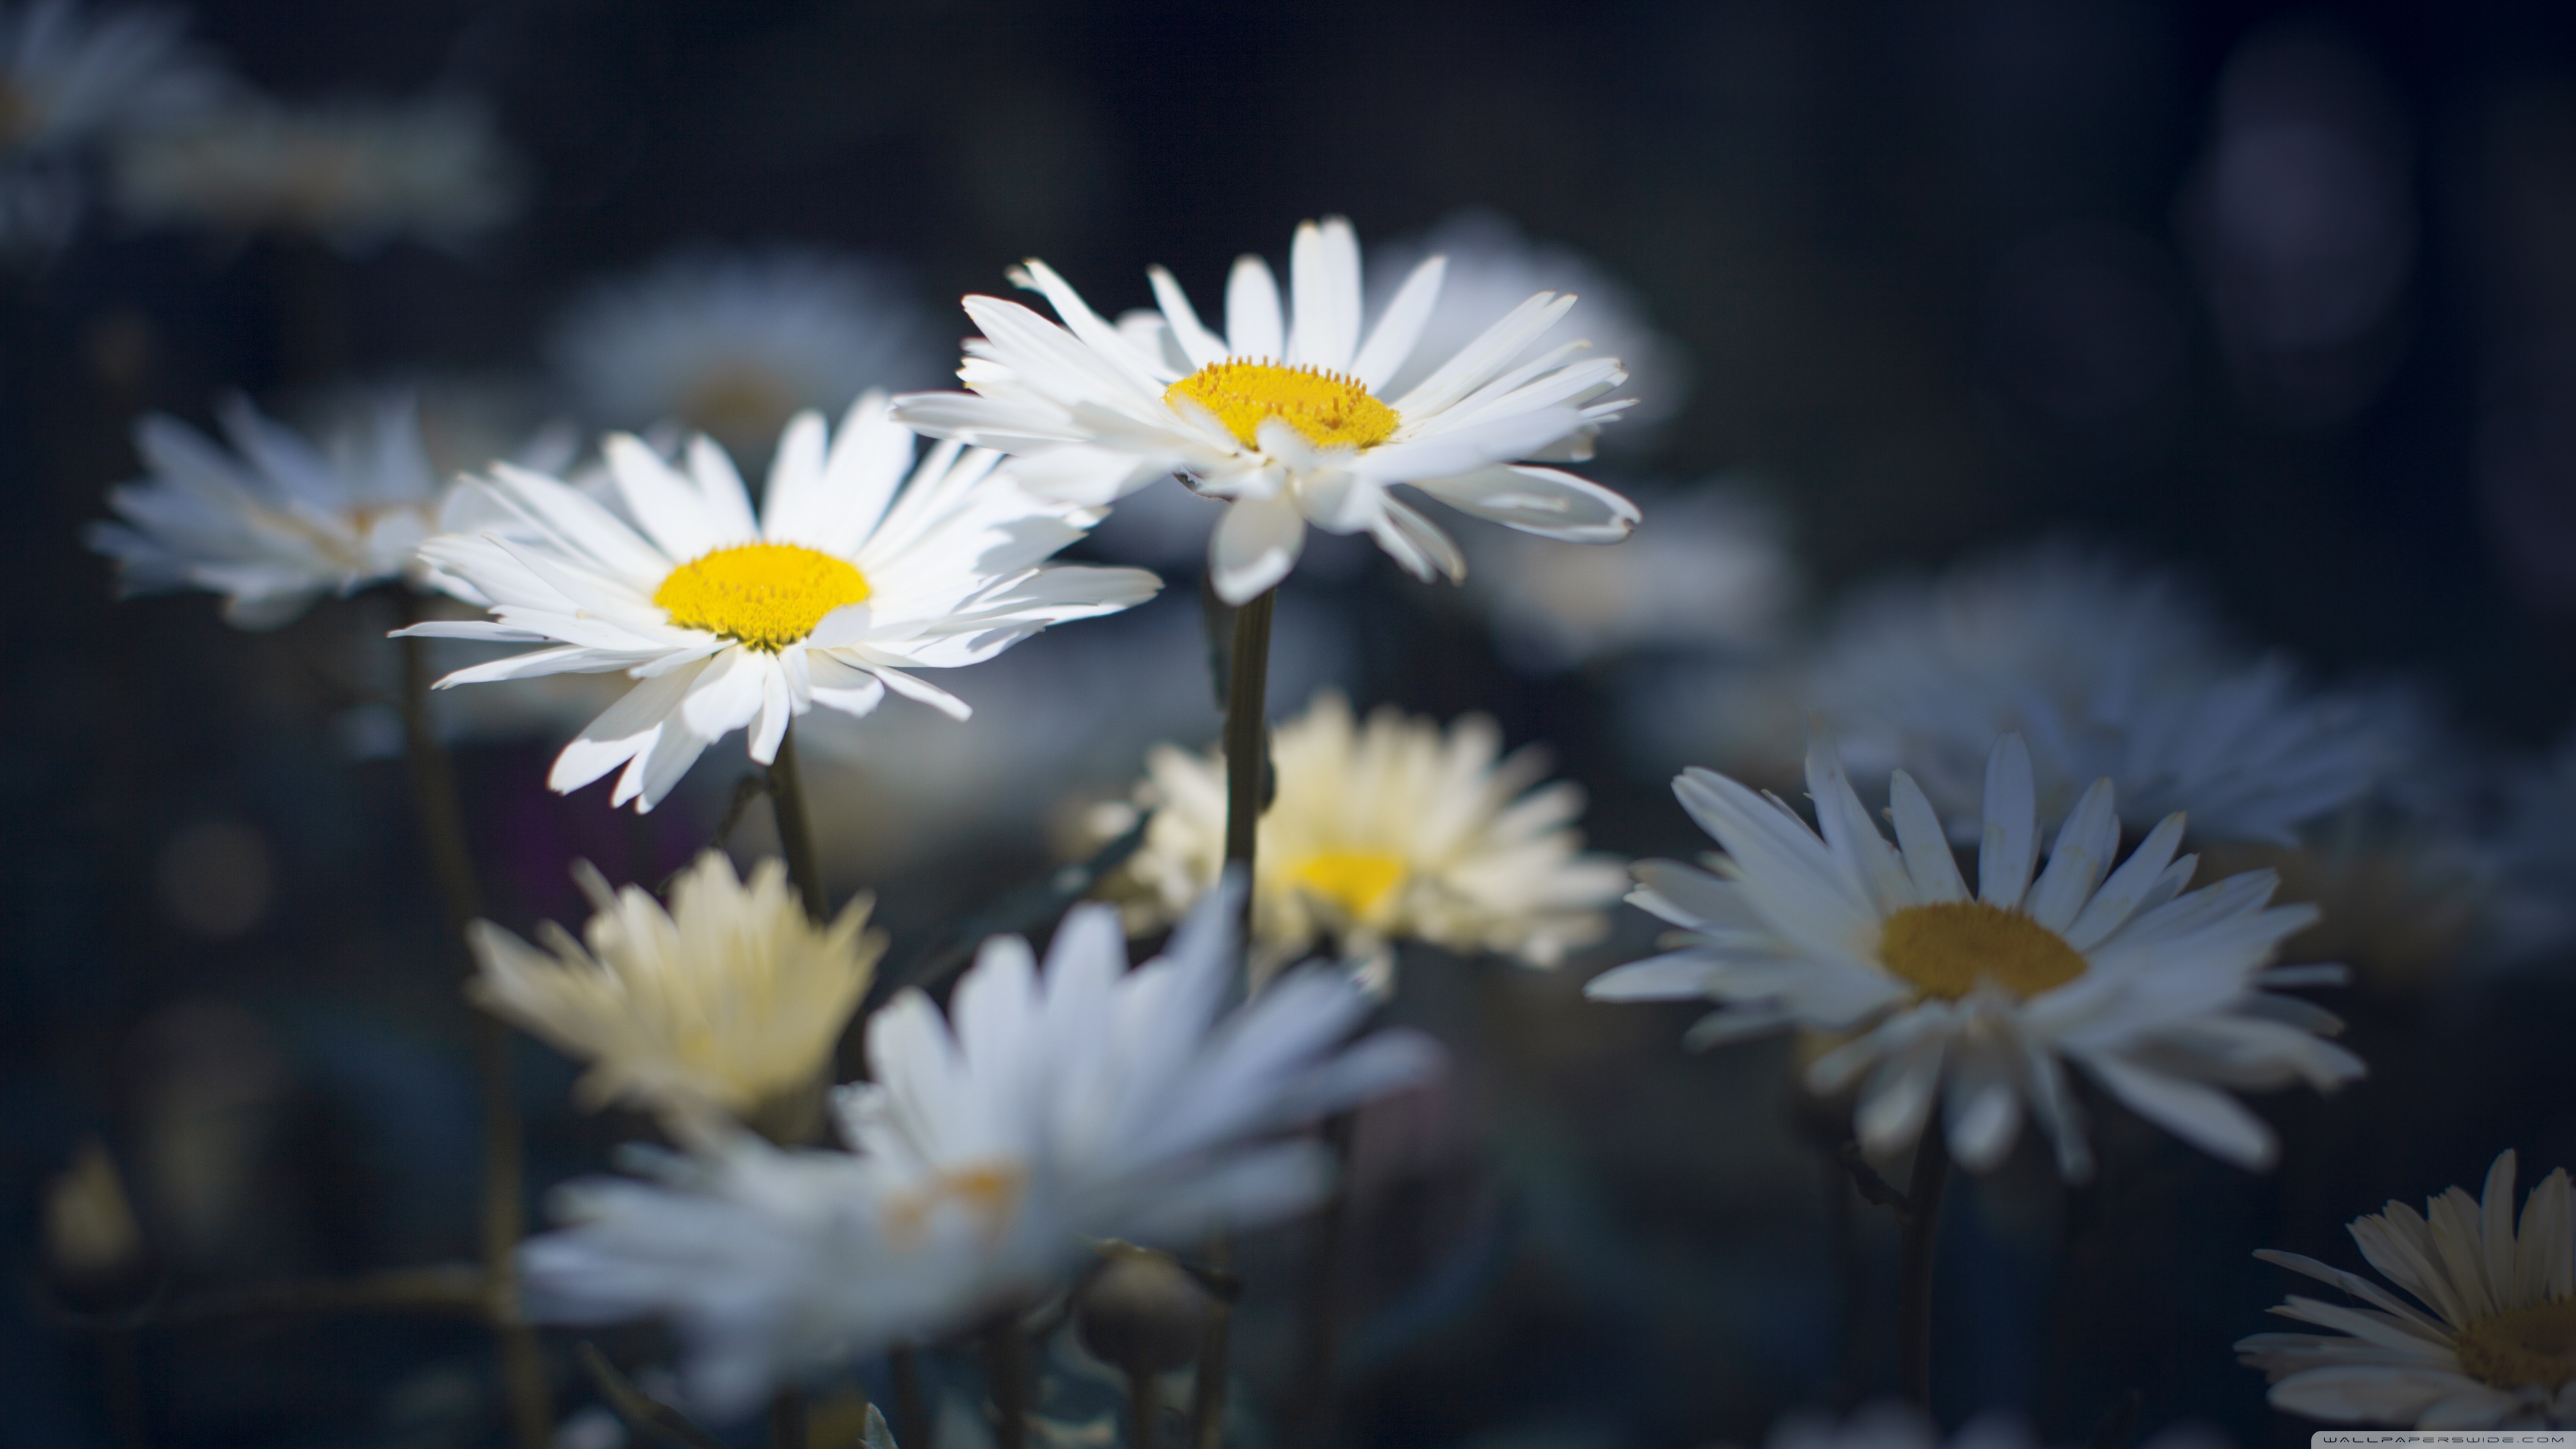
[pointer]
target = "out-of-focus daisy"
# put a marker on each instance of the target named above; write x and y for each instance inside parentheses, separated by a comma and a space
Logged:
(1381, 832)
(1712, 573)
(733, 343)
(1492, 266)
(731, 999)
(1976, 1004)
(276, 522)
(766, 1264)
(1057, 1104)
(1288, 417)
(2530, 852)
(2107, 672)
(67, 78)
(2488, 1341)
(850, 575)
(352, 174)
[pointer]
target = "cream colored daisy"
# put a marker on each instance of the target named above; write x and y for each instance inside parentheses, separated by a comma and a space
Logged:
(1285, 416)
(1978, 1004)
(2488, 1341)
(732, 998)
(1393, 830)
(857, 569)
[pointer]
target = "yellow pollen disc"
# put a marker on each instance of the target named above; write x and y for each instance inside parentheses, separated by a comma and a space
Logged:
(988, 1191)
(1333, 411)
(766, 595)
(2531, 1347)
(1946, 949)
(1357, 881)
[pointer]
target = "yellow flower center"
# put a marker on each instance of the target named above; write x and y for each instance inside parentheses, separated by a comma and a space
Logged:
(1332, 411)
(989, 1191)
(766, 595)
(2528, 1348)
(1358, 881)
(1946, 949)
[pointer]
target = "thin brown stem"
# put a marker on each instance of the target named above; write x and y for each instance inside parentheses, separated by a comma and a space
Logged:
(1006, 1376)
(796, 828)
(451, 862)
(1915, 1257)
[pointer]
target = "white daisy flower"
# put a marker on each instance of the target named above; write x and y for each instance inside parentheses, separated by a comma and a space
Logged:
(276, 522)
(731, 999)
(2107, 672)
(766, 1264)
(1058, 1103)
(1713, 573)
(1978, 1004)
(1381, 832)
(733, 343)
(1492, 265)
(353, 174)
(1286, 416)
(2489, 1339)
(67, 78)
(850, 575)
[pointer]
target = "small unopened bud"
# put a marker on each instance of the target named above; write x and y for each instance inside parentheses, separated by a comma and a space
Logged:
(90, 1234)
(1141, 1312)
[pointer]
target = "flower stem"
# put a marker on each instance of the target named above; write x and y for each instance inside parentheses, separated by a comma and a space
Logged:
(1319, 1328)
(1207, 1395)
(1006, 1375)
(1143, 1413)
(796, 828)
(1247, 769)
(787, 1419)
(1247, 734)
(451, 863)
(912, 1422)
(1914, 1290)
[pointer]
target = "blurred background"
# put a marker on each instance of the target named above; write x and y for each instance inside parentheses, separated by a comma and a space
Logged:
(2279, 299)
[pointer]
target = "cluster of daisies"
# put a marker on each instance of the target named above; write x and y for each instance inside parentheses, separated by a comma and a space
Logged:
(2025, 928)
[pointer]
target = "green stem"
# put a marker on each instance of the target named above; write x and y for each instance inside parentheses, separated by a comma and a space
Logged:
(1914, 1284)
(1247, 733)
(796, 828)
(451, 863)
(1247, 789)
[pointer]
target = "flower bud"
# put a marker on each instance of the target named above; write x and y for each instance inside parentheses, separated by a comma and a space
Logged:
(1141, 1312)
